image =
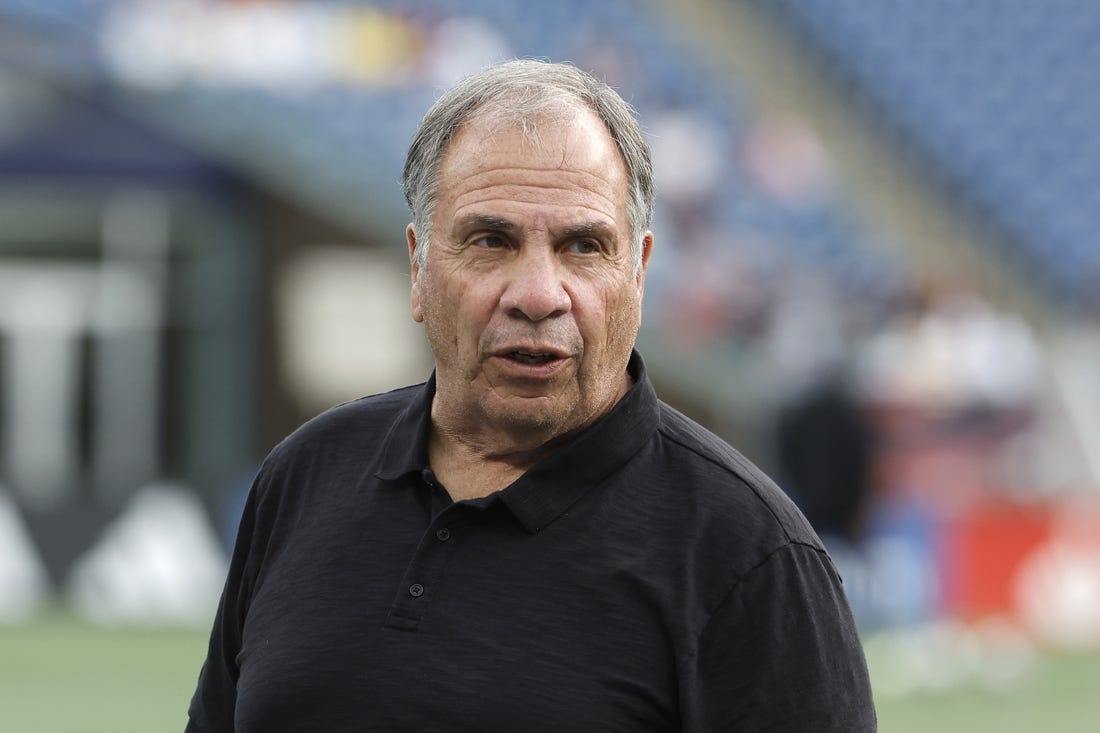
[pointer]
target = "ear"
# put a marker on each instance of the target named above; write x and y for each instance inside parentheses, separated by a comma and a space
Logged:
(647, 250)
(410, 236)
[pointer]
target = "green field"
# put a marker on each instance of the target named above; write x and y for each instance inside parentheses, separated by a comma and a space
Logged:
(59, 676)
(963, 687)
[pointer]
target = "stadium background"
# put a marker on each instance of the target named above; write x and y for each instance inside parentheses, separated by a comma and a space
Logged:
(201, 246)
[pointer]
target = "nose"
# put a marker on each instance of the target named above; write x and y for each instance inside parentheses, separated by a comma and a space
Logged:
(535, 289)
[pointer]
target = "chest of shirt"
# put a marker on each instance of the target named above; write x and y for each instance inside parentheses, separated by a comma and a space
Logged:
(401, 621)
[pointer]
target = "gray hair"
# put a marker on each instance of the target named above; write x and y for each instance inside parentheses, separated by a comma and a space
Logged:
(526, 89)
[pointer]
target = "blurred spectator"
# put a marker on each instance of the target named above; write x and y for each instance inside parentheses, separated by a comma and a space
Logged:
(951, 380)
(823, 442)
(955, 356)
(687, 155)
(824, 448)
(786, 160)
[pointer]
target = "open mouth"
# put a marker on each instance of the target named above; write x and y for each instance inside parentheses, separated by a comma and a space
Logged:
(524, 357)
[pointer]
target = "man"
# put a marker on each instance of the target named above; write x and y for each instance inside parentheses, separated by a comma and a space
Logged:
(530, 541)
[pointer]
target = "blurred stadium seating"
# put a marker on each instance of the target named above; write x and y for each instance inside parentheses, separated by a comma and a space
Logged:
(997, 99)
(340, 143)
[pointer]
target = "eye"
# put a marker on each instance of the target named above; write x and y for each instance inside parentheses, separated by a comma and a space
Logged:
(489, 241)
(584, 247)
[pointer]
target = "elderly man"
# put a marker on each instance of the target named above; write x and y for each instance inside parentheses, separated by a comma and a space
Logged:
(530, 540)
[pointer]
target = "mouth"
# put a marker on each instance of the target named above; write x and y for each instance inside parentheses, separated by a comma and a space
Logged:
(531, 357)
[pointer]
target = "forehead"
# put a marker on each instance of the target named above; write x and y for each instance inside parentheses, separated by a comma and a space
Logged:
(555, 163)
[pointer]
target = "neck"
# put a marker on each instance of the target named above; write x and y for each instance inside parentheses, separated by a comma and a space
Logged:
(473, 457)
(470, 469)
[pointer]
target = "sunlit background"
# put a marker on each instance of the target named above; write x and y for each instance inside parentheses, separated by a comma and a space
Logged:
(877, 273)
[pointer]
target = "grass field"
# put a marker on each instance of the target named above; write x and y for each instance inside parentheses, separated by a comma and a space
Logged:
(967, 689)
(59, 676)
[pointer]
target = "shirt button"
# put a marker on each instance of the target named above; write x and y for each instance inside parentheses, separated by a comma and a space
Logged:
(443, 534)
(416, 590)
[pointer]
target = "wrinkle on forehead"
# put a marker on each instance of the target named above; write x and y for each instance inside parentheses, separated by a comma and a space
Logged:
(494, 169)
(533, 175)
(582, 209)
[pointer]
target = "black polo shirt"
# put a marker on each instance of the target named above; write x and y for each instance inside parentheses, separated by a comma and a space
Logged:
(644, 578)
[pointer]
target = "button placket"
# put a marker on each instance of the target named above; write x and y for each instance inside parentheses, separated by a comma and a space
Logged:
(424, 572)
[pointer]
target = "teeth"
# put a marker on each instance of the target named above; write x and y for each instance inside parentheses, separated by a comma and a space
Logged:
(529, 358)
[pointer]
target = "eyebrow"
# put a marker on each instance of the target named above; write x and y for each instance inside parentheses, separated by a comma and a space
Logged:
(485, 221)
(587, 229)
(593, 229)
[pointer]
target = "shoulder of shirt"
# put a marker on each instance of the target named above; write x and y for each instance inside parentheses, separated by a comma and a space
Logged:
(362, 418)
(742, 488)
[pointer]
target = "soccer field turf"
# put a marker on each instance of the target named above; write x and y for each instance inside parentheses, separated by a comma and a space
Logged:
(60, 676)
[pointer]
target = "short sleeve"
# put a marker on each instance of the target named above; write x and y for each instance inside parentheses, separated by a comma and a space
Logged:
(781, 653)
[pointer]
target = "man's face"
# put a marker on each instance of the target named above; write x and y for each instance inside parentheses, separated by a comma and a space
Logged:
(528, 295)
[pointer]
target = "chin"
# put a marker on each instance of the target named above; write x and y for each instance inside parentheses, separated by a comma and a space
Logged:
(539, 415)
(527, 419)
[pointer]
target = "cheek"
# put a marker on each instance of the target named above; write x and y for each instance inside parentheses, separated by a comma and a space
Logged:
(459, 315)
(625, 306)
(623, 327)
(438, 314)
(617, 323)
